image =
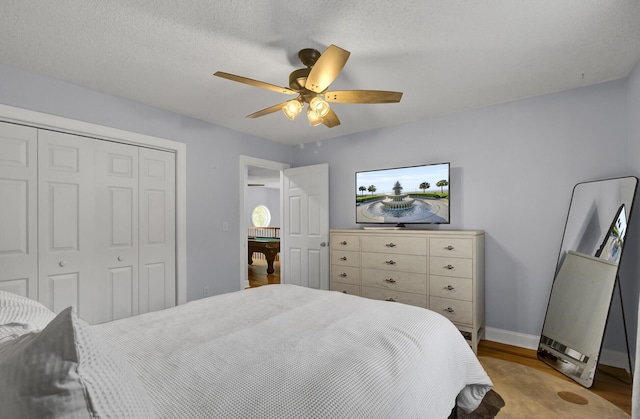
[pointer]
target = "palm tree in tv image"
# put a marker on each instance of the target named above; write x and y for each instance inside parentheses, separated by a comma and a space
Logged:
(442, 183)
(362, 190)
(424, 186)
(372, 189)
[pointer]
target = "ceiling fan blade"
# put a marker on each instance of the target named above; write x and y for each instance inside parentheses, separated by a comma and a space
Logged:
(255, 83)
(326, 69)
(267, 111)
(331, 119)
(363, 96)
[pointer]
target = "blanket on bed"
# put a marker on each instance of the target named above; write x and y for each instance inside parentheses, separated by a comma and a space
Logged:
(290, 352)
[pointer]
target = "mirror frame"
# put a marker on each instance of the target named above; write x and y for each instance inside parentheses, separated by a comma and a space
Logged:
(568, 361)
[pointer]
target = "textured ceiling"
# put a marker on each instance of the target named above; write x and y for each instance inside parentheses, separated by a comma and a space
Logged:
(445, 55)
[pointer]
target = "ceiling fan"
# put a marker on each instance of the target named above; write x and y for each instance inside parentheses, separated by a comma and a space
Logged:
(311, 83)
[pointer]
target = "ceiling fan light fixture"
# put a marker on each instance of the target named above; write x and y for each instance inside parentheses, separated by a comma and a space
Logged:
(292, 108)
(314, 118)
(319, 106)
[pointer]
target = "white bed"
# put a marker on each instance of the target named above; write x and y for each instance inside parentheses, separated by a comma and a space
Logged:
(283, 351)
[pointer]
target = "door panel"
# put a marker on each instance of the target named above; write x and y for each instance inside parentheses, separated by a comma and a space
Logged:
(156, 274)
(157, 287)
(66, 197)
(18, 210)
(116, 237)
(63, 203)
(14, 195)
(156, 204)
(123, 218)
(62, 292)
(306, 216)
(122, 286)
(315, 269)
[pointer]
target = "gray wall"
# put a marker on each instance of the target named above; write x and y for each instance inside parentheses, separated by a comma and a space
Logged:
(269, 197)
(513, 168)
(212, 165)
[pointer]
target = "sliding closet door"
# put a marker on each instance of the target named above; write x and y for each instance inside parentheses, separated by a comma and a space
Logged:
(67, 223)
(116, 231)
(157, 230)
(18, 210)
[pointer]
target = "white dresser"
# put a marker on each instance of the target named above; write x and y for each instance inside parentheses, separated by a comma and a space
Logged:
(442, 270)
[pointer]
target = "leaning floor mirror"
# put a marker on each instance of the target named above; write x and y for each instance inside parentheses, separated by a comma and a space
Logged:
(586, 275)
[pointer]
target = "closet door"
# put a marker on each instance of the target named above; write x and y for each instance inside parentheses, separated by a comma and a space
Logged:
(67, 223)
(157, 230)
(18, 210)
(116, 238)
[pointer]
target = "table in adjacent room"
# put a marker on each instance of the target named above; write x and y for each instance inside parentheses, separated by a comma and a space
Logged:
(268, 246)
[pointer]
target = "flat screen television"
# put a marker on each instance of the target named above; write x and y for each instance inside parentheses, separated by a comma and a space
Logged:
(403, 195)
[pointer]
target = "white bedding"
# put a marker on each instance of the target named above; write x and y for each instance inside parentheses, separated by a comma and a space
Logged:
(282, 351)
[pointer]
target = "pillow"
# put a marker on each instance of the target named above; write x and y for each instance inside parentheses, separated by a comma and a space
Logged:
(20, 315)
(66, 371)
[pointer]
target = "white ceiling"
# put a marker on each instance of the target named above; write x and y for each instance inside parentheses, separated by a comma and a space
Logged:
(445, 55)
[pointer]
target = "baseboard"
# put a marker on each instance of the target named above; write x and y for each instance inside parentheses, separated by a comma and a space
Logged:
(607, 357)
(512, 338)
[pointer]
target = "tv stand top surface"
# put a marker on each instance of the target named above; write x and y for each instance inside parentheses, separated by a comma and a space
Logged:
(406, 231)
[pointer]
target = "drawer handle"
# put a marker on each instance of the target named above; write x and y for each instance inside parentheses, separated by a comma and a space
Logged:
(344, 243)
(449, 310)
(343, 275)
(390, 245)
(391, 299)
(448, 267)
(449, 247)
(390, 262)
(390, 280)
(449, 287)
(343, 258)
(62, 263)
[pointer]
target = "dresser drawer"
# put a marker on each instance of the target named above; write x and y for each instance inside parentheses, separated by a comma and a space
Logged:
(345, 242)
(396, 296)
(461, 268)
(450, 247)
(345, 288)
(451, 287)
(398, 281)
(395, 245)
(345, 258)
(455, 310)
(404, 263)
(345, 274)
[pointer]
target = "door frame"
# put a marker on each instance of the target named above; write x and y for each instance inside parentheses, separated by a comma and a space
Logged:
(35, 119)
(245, 162)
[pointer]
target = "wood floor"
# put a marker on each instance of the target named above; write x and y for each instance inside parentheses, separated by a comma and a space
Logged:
(257, 273)
(612, 384)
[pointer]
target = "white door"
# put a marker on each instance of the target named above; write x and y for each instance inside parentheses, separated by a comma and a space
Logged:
(306, 226)
(116, 230)
(18, 210)
(66, 200)
(157, 251)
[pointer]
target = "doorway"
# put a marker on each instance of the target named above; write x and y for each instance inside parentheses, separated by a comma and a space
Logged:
(261, 185)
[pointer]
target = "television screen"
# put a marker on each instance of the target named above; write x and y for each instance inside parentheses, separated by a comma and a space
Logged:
(404, 195)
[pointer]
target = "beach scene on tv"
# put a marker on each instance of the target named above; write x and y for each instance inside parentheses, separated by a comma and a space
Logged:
(418, 194)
